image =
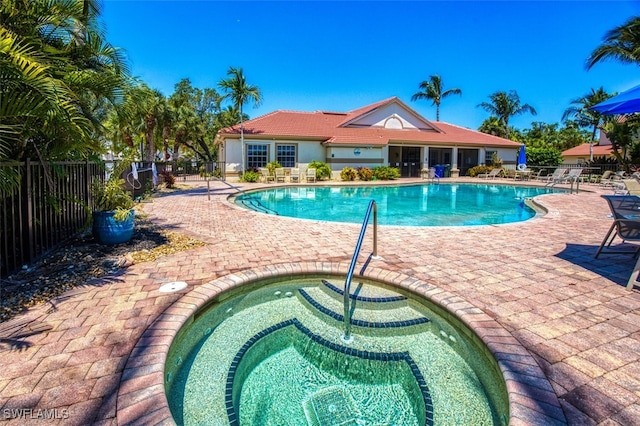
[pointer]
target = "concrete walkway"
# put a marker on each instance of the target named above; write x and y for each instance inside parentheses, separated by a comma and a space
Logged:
(79, 358)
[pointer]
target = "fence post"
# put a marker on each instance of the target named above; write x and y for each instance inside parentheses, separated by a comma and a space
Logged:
(27, 213)
(87, 184)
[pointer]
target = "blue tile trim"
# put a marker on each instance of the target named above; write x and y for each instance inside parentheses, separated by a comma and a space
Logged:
(361, 323)
(363, 298)
(379, 356)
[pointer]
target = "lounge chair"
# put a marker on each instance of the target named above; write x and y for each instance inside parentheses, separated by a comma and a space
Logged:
(509, 173)
(626, 223)
(295, 175)
(627, 187)
(539, 176)
(311, 175)
(492, 174)
(265, 175)
(280, 174)
(557, 174)
(574, 175)
(607, 178)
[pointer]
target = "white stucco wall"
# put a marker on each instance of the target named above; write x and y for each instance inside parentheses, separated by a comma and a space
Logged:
(393, 115)
(307, 151)
(339, 157)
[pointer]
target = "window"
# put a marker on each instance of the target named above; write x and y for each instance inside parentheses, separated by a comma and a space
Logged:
(257, 156)
(488, 157)
(286, 155)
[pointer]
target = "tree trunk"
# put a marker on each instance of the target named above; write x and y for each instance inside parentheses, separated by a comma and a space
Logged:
(151, 148)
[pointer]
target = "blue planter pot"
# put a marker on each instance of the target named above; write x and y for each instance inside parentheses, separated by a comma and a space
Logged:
(107, 230)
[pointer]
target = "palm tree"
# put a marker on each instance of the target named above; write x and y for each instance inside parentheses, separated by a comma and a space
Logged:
(585, 117)
(58, 76)
(505, 105)
(240, 92)
(621, 43)
(432, 90)
(492, 126)
(195, 119)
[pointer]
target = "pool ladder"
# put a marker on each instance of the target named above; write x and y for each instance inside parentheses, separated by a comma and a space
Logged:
(372, 208)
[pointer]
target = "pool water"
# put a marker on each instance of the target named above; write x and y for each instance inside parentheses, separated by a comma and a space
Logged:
(275, 355)
(444, 204)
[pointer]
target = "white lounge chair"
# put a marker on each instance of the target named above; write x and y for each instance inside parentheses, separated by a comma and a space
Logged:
(556, 175)
(311, 175)
(280, 174)
(492, 174)
(295, 175)
(627, 187)
(265, 175)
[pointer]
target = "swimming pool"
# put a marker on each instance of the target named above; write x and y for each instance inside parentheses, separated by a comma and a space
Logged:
(273, 354)
(455, 204)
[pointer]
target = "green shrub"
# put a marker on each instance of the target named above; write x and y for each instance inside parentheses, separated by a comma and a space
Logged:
(475, 171)
(386, 173)
(544, 156)
(323, 172)
(348, 173)
(272, 166)
(365, 173)
(250, 176)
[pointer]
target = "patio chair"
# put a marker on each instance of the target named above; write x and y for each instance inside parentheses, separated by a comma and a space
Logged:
(311, 175)
(492, 174)
(556, 175)
(625, 210)
(627, 187)
(608, 178)
(574, 175)
(540, 175)
(295, 175)
(280, 174)
(509, 173)
(265, 175)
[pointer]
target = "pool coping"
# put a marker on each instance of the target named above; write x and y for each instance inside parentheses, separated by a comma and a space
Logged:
(142, 400)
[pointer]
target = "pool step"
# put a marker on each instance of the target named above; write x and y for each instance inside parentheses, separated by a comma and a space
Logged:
(395, 317)
(366, 296)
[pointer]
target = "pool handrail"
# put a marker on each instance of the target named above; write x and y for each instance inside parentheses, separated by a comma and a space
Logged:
(347, 284)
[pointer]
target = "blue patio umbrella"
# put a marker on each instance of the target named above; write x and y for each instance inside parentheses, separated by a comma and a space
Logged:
(626, 102)
(522, 158)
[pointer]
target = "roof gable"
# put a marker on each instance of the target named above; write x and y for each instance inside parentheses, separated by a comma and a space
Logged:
(363, 126)
(388, 114)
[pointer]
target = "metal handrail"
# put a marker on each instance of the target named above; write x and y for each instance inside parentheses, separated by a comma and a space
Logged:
(347, 284)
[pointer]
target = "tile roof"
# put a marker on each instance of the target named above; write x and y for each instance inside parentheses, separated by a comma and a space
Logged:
(583, 150)
(332, 128)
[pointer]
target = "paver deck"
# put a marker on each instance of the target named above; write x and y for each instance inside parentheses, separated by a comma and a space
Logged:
(91, 357)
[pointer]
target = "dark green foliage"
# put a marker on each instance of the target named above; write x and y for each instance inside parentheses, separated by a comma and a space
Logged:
(250, 176)
(110, 194)
(386, 173)
(323, 172)
(272, 166)
(544, 156)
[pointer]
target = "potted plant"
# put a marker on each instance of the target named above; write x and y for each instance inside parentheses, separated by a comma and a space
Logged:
(113, 214)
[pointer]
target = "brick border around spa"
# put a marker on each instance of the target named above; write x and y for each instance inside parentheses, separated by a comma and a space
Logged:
(141, 396)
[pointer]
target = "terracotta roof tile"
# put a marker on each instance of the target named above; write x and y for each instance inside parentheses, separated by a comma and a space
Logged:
(583, 150)
(326, 127)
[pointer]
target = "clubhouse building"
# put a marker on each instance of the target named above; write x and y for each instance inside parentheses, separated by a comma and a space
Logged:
(386, 133)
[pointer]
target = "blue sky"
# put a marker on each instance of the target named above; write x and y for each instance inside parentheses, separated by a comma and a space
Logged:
(341, 55)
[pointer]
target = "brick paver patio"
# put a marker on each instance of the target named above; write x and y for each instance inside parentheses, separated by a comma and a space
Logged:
(94, 355)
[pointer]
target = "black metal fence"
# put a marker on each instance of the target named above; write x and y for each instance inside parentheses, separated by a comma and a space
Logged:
(50, 204)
